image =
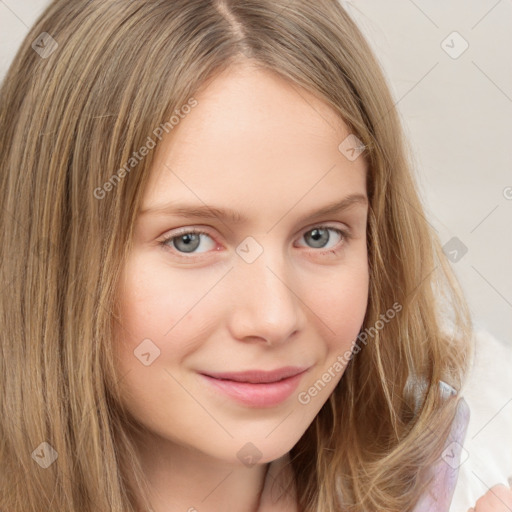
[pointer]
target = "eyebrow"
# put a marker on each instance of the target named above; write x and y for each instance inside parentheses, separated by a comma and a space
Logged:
(230, 215)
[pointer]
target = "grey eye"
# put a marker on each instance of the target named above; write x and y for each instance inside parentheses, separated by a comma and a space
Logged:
(320, 237)
(187, 242)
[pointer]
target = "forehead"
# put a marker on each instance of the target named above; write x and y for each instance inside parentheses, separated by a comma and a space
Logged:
(251, 108)
(254, 139)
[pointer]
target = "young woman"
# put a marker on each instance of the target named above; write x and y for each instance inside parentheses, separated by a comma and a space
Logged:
(221, 290)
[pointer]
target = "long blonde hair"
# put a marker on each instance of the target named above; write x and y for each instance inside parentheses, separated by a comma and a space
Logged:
(90, 85)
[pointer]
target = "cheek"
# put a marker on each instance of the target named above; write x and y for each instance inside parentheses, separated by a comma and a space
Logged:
(147, 312)
(349, 303)
(339, 305)
(155, 302)
(156, 333)
(340, 301)
(343, 305)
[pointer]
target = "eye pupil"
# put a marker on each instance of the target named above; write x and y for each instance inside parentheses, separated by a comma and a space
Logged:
(188, 239)
(319, 235)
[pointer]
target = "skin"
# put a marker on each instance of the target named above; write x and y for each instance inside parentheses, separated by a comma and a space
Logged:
(497, 499)
(268, 150)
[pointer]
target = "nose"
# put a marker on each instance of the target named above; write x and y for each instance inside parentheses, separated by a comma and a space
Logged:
(265, 304)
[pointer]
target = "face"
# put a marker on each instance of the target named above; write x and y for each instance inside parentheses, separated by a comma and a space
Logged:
(236, 329)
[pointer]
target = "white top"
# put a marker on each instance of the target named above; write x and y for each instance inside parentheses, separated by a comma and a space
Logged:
(486, 458)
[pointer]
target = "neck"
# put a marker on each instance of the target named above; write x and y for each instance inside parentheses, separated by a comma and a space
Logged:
(181, 478)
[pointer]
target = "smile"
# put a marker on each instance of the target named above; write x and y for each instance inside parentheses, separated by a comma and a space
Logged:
(257, 388)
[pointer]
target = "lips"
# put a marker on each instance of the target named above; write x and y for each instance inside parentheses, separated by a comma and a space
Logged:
(259, 376)
(256, 388)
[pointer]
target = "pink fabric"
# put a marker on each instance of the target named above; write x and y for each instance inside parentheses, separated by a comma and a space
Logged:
(439, 496)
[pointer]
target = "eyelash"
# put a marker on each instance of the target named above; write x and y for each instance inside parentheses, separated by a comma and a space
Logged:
(345, 237)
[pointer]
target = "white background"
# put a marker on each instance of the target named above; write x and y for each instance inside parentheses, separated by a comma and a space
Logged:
(457, 113)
